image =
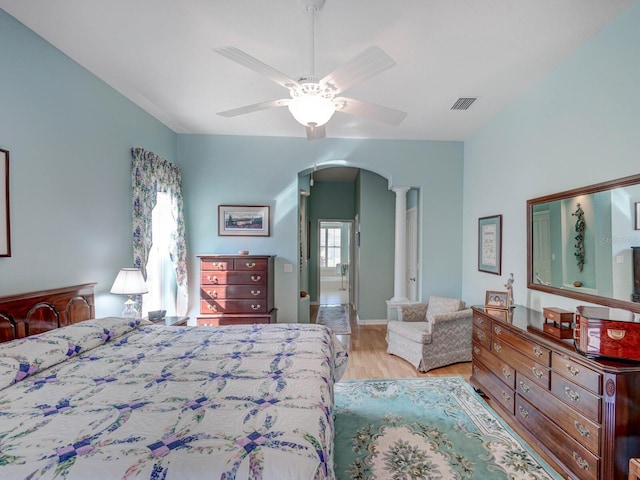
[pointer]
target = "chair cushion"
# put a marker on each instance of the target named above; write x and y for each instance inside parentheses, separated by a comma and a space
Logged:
(416, 312)
(415, 331)
(442, 305)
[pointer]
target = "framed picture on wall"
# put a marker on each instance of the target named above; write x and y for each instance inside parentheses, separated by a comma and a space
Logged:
(490, 244)
(637, 216)
(243, 220)
(5, 232)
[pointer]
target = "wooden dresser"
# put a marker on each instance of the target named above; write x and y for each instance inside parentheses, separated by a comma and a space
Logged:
(236, 289)
(584, 413)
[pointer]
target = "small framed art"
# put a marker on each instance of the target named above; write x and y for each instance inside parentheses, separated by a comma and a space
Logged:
(490, 244)
(243, 220)
(495, 299)
(637, 216)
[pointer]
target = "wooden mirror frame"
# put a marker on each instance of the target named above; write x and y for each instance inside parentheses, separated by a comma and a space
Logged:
(599, 187)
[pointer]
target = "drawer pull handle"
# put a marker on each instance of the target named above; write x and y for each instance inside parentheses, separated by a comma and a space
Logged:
(616, 334)
(480, 321)
(573, 370)
(573, 396)
(213, 279)
(256, 278)
(256, 307)
(537, 372)
(481, 336)
(476, 350)
(506, 396)
(498, 330)
(582, 463)
(213, 308)
(582, 430)
(536, 351)
(523, 412)
(476, 370)
(250, 264)
(524, 386)
(255, 293)
(506, 372)
(497, 347)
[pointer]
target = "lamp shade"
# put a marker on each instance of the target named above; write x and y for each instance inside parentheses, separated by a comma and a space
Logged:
(129, 282)
(310, 109)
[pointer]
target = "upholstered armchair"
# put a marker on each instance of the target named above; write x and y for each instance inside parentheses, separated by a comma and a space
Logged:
(432, 335)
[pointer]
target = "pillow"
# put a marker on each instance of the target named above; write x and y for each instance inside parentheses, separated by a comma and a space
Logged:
(414, 313)
(443, 305)
(26, 356)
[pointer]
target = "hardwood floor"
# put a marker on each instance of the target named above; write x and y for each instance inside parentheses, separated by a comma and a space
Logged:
(368, 357)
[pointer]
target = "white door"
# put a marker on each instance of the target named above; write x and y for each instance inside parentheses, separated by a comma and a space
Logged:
(541, 248)
(412, 254)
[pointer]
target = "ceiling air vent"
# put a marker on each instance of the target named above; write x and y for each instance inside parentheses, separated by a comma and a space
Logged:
(463, 103)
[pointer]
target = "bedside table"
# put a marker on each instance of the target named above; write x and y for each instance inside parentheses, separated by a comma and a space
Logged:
(171, 321)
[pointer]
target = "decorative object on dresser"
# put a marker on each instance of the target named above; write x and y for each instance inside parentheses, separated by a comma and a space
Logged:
(130, 282)
(581, 412)
(495, 299)
(558, 322)
(608, 332)
(243, 220)
(490, 244)
(236, 289)
(36, 312)
(5, 224)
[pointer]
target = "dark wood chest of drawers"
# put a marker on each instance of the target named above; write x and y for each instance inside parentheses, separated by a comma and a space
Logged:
(236, 289)
(583, 412)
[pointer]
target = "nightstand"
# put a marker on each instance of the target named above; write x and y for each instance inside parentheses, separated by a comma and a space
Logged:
(171, 321)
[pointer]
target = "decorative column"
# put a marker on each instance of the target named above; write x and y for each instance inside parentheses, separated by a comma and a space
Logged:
(400, 256)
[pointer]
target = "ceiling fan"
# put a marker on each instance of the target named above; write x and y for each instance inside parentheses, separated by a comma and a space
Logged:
(313, 99)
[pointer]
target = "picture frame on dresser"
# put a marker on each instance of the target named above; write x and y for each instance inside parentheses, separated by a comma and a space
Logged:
(244, 220)
(490, 244)
(5, 231)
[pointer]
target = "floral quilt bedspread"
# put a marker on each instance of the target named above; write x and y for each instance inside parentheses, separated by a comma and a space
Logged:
(111, 398)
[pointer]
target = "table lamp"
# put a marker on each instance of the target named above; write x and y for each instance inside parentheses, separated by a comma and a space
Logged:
(129, 282)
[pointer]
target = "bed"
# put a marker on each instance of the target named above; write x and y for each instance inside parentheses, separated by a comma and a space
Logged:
(118, 398)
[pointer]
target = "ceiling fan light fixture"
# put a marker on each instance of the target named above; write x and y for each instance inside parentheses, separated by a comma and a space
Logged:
(311, 110)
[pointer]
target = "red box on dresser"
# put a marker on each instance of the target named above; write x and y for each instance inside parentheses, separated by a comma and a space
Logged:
(608, 332)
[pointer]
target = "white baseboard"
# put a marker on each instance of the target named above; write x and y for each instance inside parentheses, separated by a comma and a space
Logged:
(373, 321)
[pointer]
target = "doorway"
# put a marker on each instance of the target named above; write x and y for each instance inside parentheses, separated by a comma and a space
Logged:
(334, 262)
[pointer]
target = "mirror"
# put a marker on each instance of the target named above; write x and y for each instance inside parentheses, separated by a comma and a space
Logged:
(580, 243)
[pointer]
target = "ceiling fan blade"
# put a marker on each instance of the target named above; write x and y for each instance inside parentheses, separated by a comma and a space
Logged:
(238, 56)
(369, 63)
(369, 110)
(255, 107)
(315, 133)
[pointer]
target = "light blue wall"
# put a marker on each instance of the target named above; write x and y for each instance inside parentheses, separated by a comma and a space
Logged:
(69, 136)
(578, 126)
(264, 171)
(376, 251)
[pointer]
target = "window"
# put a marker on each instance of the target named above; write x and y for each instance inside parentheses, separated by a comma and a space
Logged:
(161, 275)
(329, 246)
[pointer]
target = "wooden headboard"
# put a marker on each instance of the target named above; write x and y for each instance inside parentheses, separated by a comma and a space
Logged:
(36, 312)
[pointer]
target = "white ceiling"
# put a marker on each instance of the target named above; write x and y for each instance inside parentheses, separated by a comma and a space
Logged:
(159, 54)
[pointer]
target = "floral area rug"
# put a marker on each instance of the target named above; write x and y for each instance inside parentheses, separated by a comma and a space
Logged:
(336, 317)
(426, 428)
